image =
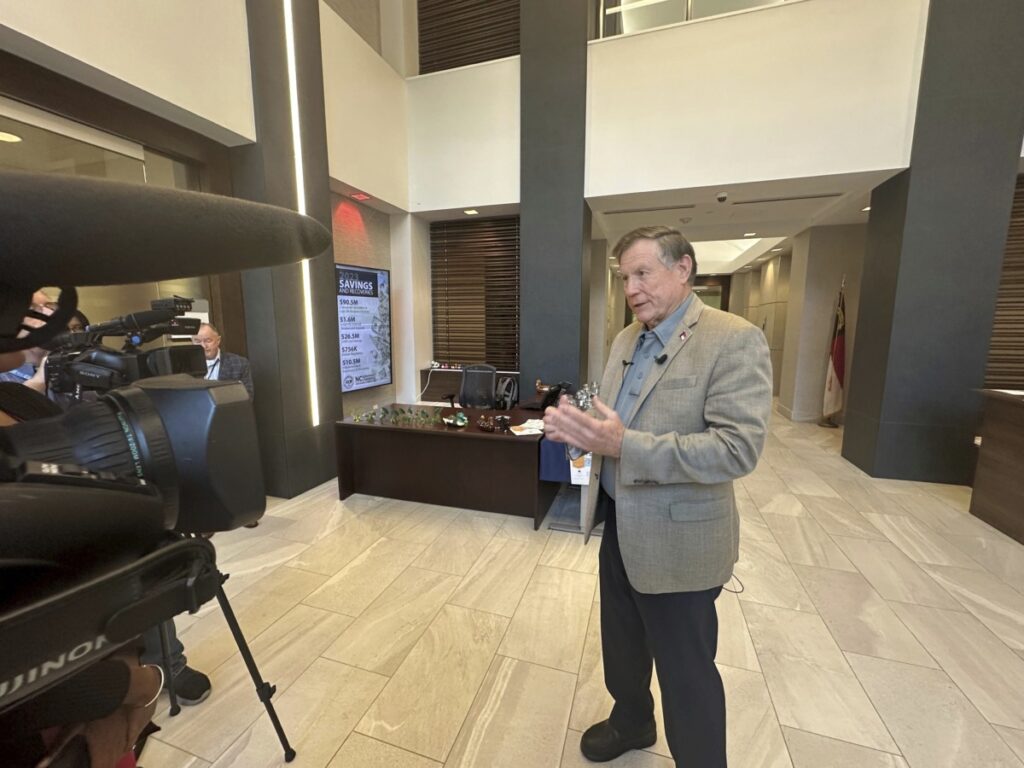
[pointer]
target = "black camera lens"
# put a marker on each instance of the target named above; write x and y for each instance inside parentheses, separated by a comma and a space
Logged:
(192, 439)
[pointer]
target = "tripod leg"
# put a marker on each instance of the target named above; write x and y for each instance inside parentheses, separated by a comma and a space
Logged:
(165, 650)
(263, 689)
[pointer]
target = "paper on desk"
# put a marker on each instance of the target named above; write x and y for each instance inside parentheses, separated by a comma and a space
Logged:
(529, 427)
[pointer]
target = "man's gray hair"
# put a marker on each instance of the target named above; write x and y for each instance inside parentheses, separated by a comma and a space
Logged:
(671, 244)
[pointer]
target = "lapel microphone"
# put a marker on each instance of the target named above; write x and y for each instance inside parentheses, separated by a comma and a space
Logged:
(661, 359)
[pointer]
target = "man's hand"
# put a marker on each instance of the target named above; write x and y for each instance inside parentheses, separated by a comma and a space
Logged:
(568, 424)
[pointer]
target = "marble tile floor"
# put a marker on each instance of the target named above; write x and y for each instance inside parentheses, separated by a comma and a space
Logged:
(879, 624)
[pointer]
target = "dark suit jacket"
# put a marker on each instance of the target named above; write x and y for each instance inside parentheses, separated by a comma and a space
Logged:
(235, 368)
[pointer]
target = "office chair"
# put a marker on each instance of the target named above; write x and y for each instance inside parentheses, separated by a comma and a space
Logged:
(477, 388)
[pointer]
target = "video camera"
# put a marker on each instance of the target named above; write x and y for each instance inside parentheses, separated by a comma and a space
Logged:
(81, 363)
(97, 505)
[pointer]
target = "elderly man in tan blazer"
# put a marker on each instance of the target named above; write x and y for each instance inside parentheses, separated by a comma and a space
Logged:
(692, 389)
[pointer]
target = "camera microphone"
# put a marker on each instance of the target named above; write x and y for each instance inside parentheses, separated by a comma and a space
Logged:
(75, 231)
(661, 359)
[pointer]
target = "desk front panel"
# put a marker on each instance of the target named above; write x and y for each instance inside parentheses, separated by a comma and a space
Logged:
(464, 468)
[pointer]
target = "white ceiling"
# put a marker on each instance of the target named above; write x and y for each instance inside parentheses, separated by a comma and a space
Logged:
(772, 210)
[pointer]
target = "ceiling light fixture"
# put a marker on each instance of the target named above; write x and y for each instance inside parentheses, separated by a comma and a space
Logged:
(9, 138)
(776, 250)
(750, 234)
(865, 209)
(471, 211)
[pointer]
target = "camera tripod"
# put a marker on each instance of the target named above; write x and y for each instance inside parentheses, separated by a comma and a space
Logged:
(264, 690)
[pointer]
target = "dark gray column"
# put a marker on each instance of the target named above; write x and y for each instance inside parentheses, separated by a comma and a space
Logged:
(296, 455)
(934, 252)
(555, 219)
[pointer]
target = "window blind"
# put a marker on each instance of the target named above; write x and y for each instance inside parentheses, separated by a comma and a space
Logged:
(475, 289)
(1006, 348)
(454, 33)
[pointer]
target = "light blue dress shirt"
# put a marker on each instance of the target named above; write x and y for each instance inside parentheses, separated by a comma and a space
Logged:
(635, 372)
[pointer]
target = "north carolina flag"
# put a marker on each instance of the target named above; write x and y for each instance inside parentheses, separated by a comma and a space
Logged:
(835, 377)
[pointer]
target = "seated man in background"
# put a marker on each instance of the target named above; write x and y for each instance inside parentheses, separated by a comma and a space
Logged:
(220, 365)
(223, 366)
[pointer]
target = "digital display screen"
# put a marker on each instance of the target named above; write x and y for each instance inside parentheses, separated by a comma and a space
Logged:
(364, 326)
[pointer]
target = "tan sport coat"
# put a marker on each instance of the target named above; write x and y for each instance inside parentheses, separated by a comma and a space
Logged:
(699, 424)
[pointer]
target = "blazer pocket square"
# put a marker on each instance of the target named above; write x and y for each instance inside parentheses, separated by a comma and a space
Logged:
(682, 382)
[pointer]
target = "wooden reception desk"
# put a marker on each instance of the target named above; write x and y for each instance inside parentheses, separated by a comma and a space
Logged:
(998, 496)
(469, 468)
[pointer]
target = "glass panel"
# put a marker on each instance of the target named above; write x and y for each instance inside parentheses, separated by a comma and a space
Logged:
(710, 295)
(704, 8)
(37, 149)
(627, 16)
(164, 171)
(638, 15)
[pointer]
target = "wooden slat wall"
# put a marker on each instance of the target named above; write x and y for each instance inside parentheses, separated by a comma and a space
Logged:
(475, 286)
(1006, 349)
(454, 33)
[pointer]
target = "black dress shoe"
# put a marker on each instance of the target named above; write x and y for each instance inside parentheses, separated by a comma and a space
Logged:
(602, 742)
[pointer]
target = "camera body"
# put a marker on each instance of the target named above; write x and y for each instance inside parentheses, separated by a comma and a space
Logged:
(101, 368)
(100, 503)
(81, 363)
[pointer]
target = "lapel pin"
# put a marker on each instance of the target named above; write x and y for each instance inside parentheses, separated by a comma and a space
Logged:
(684, 336)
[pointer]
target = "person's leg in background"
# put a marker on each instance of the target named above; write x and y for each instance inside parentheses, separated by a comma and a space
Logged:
(190, 686)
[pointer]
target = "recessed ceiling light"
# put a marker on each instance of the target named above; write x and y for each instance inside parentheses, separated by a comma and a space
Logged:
(865, 209)
(750, 234)
(776, 250)
(471, 211)
(10, 138)
(360, 196)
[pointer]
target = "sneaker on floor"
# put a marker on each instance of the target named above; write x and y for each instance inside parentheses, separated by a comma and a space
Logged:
(191, 687)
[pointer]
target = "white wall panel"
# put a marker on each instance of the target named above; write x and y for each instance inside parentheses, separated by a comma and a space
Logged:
(801, 89)
(464, 137)
(365, 106)
(187, 60)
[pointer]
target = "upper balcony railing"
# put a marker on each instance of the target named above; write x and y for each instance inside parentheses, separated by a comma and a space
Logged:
(623, 17)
